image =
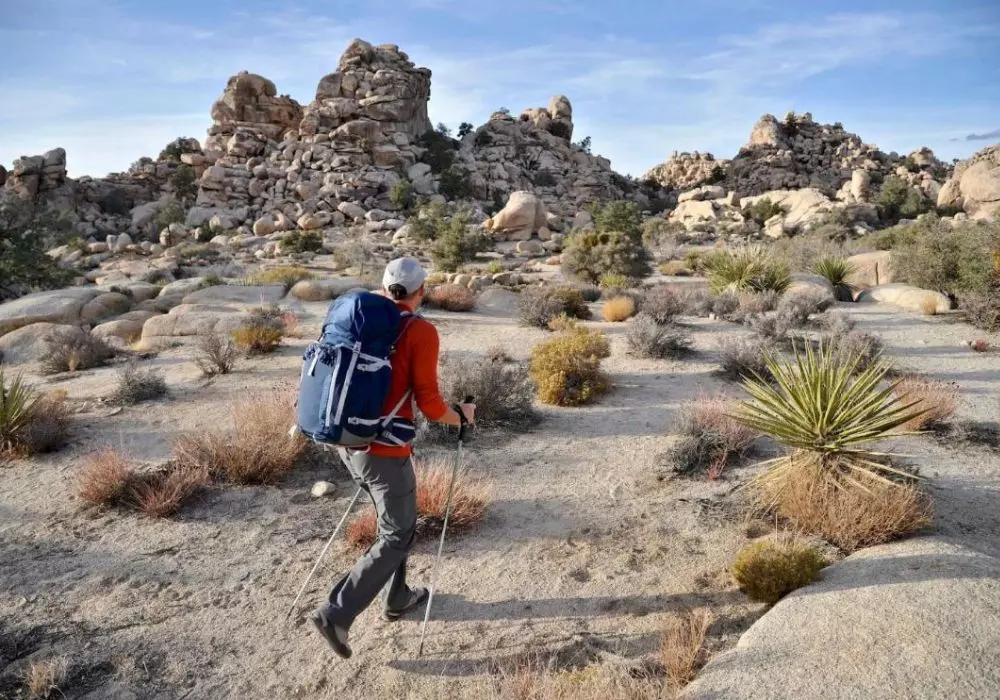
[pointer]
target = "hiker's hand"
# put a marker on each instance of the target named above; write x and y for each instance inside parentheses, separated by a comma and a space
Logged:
(469, 411)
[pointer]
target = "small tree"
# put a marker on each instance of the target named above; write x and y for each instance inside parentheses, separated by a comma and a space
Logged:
(457, 242)
(762, 210)
(614, 246)
(439, 149)
(584, 144)
(464, 129)
(455, 182)
(897, 200)
(183, 183)
(401, 194)
(24, 235)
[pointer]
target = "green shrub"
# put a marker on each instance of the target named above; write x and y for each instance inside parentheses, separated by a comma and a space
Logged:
(657, 232)
(24, 235)
(454, 182)
(183, 183)
(567, 369)
(401, 194)
(262, 331)
(538, 306)
(30, 423)
(767, 570)
(750, 268)
(455, 241)
(440, 150)
(589, 255)
(171, 213)
(897, 200)
(613, 280)
(176, 148)
(762, 210)
(621, 216)
(302, 242)
(464, 129)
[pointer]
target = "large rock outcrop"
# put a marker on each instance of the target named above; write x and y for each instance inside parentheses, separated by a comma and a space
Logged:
(975, 185)
(685, 171)
(248, 114)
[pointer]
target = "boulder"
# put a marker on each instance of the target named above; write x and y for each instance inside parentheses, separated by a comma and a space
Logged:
(523, 215)
(27, 344)
(802, 207)
(120, 331)
(310, 222)
(498, 302)
(975, 184)
(913, 619)
(104, 307)
(693, 212)
(530, 248)
(906, 297)
(702, 194)
(264, 226)
(57, 306)
(248, 296)
(193, 319)
(808, 283)
(325, 289)
(870, 269)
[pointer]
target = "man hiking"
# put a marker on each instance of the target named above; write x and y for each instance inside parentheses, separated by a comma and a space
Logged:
(385, 470)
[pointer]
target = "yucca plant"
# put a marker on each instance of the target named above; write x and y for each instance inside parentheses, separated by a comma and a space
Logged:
(17, 412)
(750, 268)
(836, 271)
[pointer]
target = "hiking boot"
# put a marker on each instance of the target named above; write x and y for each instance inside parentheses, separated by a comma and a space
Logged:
(335, 635)
(418, 596)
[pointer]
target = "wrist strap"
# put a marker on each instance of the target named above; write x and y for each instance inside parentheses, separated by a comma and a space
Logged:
(461, 415)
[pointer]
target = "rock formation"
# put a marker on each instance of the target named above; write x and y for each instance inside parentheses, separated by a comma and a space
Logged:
(685, 171)
(248, 114)
(975, 185)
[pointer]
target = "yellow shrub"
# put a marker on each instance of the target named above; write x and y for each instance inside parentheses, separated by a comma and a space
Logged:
(286, 275)
(618, 309)
(253, 338)
(563, 322)
(767, 570)
(567, 369)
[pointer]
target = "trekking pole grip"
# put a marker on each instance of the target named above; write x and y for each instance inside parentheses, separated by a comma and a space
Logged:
(464, 427)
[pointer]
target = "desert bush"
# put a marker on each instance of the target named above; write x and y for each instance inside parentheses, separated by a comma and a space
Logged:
(744, 357)
(286, 275)
(160, 494)
(451, 297)
(861, 348)
(793, 312)
(749, 268)
(501, 387)
(540, 305)
(836, 271)
(170, 213)
(71, 351)
(618, 309)
(768, 570)
(675, 268)
(43, 678)
(658, 233)
(897, 200)
(562, 322)
(982, 308)
(803, 252)
(184, 183)
(695, 301)
(454, 240)
(614, 246)
(753, 304)
(711, 439)
(468, 504)
(454, 183)
(262, 331)
(302, 242)
(647, 338)
(495, 267)
(566, 369)
(215, 354)
(440, 150)
(104, 478)
(662, 304)
(258, 451)
(25, 233)
(613, 281)
(401, 194)
(30, 423)
(762, 210)
(590, 292)
(935, 400)
(136, 385)
(826, 411)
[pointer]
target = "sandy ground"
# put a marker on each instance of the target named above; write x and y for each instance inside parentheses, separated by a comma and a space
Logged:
(589, 545)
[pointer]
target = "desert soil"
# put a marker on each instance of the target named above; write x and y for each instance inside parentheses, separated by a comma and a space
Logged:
(589, 545)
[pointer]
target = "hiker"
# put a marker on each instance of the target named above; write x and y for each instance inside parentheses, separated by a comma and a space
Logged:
(385, 469)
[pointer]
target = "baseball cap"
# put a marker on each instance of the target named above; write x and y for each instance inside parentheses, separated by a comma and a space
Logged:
(406, 272)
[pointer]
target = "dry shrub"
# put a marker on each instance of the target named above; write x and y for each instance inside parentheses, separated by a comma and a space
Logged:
(137, 385)
(710, 438)
(468, 504)
(928, 306)
(647, 338)
(867, 347)
(534, 680)
(695, 301)
(30, 423)
(452, 297)
(754, 304)
(258, 451)
(937, 400)
(498, 353)
(286, 275)
(256, 339)
(682, 646)
(662, 304)
(43, 678)
(768, 570)
(850, 517)
(539, 305)
(502, 389)
(567, 369)
(618, 309)
(48, 428)
(744, 357)
(215, 354)
(562, 322)
(71, 350)
(105, 477)
(161, 494)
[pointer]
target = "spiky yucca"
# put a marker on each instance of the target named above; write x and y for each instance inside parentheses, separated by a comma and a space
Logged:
(750, 268)
(836, 271)
(17, 412)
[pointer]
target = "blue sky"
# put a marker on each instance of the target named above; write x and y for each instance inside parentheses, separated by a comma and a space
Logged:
(113, 80)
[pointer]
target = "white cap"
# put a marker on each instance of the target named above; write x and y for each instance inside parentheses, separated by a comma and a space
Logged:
(406, 272)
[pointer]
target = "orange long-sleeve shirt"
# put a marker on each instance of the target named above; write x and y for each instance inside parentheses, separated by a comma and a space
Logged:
(414, 366)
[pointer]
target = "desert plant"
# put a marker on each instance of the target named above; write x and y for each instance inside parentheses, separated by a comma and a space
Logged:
(936, 401)
(262, 331)
(495, 267)
(439, 150)
(258, 451)
(826, 411)
(613, 281)
(468, 504)
(286, 275)
(454, 182)
(25, 233)
(70, 350)
(743, 357)
(762, 210)
(711, 438)
(401, 194)
(184, 183)
(538, 306)
(836, 271)
(563, 322)
(587, 255)
(618, 309)
(982, 308)
(897, 200)
(30, 423)
(43, 678)
(451, 297)
(647, 338)
(104, 478)
(566, 369)
(455, 240)
(160, 494)
(215, 354)
(768, 570)
(662, 305)
(749, 268)
(302, 242)
(861, 347)
(136, 385)
(502, 389)
(682, 646)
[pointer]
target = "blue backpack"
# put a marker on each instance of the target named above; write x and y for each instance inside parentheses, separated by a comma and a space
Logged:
(346, 375)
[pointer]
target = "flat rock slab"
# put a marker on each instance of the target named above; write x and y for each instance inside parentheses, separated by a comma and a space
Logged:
(249, 296)
(914, 619)
(193, 319)
(57, 306)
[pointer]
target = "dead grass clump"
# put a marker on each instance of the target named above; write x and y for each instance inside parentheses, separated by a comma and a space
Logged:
(647, 338)
(105, 477)
(710, 438)
(43, 678)
(562, 322)
(286, 275)
(258, 451)
(567, 369)
(682, 646)
(741, 358)
(936, 400)
(215, 354)
(768, 570)
(850, 518)
(71, 351)
(161, 494)
(618, 309)
(535, 680)
(137, 385)
(468, 504)
(451, 297)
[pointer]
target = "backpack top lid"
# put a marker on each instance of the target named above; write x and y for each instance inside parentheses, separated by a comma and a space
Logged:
(373, 319)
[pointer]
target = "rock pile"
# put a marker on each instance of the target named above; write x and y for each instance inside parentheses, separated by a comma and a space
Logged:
(975, 185)
(685, 171)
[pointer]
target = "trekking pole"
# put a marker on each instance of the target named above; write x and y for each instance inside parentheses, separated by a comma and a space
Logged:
(323, 553)
(444, 528)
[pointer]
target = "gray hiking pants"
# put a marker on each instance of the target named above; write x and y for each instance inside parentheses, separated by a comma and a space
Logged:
(391, 484)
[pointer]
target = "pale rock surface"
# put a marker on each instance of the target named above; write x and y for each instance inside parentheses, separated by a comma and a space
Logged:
(975, 185)
(104, 307)
(523, 215)
(906, 297)
(27, 344)
(870, 269)
(248, 296)
(58, 306)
